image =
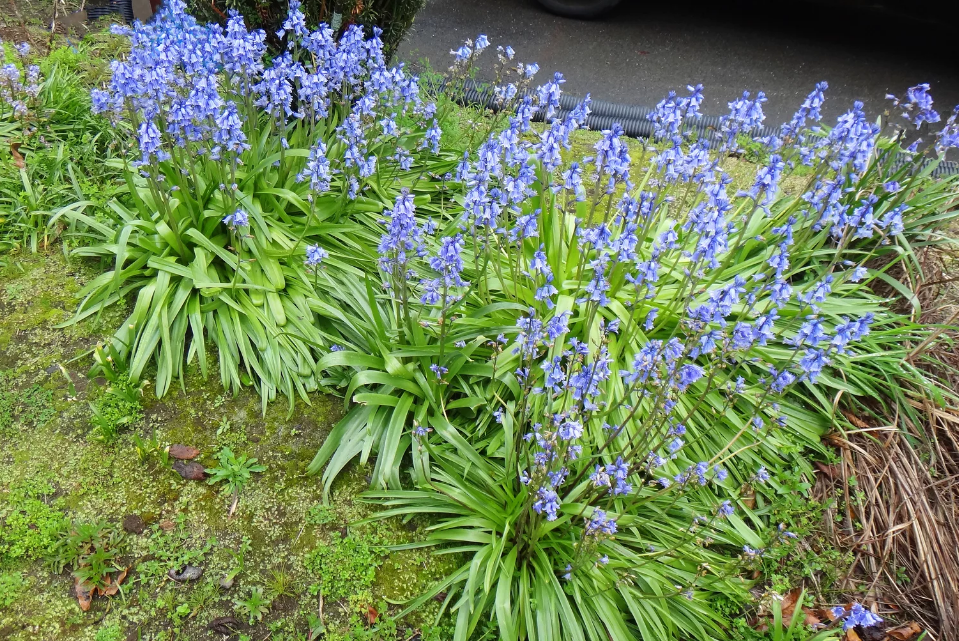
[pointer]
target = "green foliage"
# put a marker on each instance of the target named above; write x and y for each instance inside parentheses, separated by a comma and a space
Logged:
(234, 472)
(11, 586)
(345, 567)
(29, 406)
(791, 509)
(117, 409)
(246, 290)
(91, 550)
(151, 449)
(239, 558)
(171, 291)
(194, 282)
(279, 583)
(110, 632)
(464, 462)
(173, 550)
(202, 597)
(30, 522)
(795, 630)
(254, 606)
(63, 147)
(387, 628)
(320, 515)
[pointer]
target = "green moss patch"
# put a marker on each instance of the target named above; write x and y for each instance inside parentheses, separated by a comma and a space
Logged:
(56, 472)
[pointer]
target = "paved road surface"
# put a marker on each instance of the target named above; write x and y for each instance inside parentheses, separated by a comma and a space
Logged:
(643, 49)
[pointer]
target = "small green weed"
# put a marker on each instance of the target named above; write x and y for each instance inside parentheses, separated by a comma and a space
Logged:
(346, 567)
(151, 449)
(781, 629)
(119, 407)
(202, 596)
(254, 606)
(280, 583)
(172, 551)
(233, 472)
(91, 550)
(114, 411)
(786, 566)
(11, 584)
(28, 407)
(239, 559)
(357, 628)
(30, 523)
(111, 632)
(320, 515)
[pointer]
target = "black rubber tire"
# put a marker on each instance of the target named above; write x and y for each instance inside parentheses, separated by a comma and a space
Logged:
(579, 8)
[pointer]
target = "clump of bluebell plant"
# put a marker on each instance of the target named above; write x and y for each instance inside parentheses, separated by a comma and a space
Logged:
(19, 84)
(240, 165)
(629, 341)
(583, 366)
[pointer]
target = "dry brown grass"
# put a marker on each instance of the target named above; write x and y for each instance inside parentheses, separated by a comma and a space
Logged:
(899, 477)
(903, 519)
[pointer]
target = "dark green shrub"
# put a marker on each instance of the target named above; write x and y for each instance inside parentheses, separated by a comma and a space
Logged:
(394, 17)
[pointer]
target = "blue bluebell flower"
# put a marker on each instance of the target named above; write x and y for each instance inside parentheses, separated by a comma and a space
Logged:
(916, 107)
(315, 255)
(239, 218)
(599, 523)
(547, 502)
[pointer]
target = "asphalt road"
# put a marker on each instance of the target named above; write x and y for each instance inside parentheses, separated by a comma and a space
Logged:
(643, 49)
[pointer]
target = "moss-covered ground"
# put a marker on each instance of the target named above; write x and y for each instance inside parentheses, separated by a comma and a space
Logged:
(282, 542)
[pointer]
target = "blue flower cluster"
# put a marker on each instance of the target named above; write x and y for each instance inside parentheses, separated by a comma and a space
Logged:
(19, 84)
(624, 430)
(203, 89)
(855, 616)
(629, 322)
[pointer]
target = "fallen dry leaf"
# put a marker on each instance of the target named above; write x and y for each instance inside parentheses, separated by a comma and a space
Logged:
(812, 618)
(84, 594)
(190, 470)
(183, 452)
(836, 441)
(832, 471)
(790, 601)
(904, 632)
(748, 496)
(825, 614)
(17, 158)
(789, 605)
(372, 615)
(113, 586)
(852, 636)
(855, 420)
(226, 626)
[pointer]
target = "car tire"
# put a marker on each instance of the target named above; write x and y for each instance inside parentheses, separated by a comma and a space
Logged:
(579, 8)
